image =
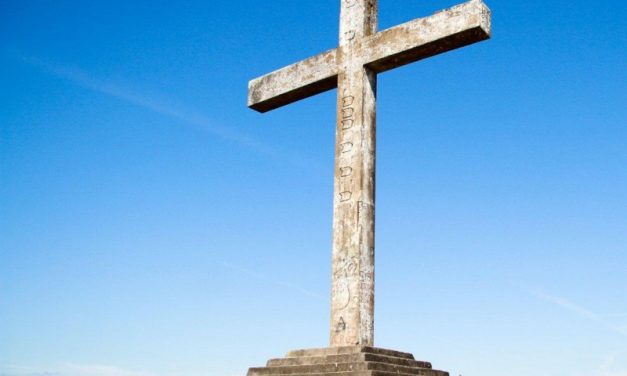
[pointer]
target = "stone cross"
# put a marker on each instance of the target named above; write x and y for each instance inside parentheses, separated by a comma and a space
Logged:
(352, 68)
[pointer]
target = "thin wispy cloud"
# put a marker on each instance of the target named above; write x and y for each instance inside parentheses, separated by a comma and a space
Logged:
(608, 367)
(579, 311)
(163, 106)
(608, 362)
(71, 369)
(260, 277)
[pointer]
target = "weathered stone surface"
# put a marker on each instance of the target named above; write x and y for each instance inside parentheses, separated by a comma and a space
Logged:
(346, 361)
(347, 358)
(447, 30)
(352, 282)
(352, 68)
(342, 350)
(412, 41)
(297, 81)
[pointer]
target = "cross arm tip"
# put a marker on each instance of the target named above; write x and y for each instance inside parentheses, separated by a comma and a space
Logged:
(255, 99)
(294, 82)
(486, 18)
(421, 38)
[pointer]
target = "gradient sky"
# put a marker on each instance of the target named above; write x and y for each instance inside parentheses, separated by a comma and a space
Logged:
(151, 224)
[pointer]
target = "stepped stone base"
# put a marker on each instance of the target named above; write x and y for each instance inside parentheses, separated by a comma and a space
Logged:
(346, 361)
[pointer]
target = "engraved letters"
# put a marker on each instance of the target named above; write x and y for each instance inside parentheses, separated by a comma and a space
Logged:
(347, 124)
(348, 112)
(341, 325)
(347, 116)
(345, 196)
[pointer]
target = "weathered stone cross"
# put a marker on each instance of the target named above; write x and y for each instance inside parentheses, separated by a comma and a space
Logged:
(352, 68)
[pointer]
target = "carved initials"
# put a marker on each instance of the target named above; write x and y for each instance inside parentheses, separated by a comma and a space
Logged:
(341, 325)
(347, 112)
(347, 124)
(345, 196)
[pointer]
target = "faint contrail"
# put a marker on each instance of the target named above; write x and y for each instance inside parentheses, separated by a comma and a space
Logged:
(264, 278)
(580, 311)
(189, 116)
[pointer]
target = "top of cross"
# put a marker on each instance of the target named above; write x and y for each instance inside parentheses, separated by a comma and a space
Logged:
(415, 40)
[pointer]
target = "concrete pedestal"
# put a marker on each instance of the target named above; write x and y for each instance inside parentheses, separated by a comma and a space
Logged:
(346, 361)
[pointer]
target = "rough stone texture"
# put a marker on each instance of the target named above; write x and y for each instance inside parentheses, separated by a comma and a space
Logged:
(352, 68)
(295, 82)
(346, 361)
(412, 41)
(352, 282)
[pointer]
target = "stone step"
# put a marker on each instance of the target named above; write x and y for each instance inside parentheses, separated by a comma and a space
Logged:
(347, 358)
(338, 367)
(347, 350)
(311, 360)
(398, 361)
(427, 372)
(307, 369)
(385, 367)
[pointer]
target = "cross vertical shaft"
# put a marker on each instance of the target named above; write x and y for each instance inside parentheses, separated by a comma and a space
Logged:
(352, 292)
(352, 67)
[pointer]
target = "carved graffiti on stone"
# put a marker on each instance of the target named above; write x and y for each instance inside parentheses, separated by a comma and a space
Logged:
(347, 269)
(347, 100)
(345, 196)
(341, 325)
(347, 113)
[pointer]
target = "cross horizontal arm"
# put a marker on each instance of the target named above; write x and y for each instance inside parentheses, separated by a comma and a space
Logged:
(456, 27)
(295, 82)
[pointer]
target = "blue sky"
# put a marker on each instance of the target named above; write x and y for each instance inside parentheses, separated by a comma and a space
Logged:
(151, 224)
